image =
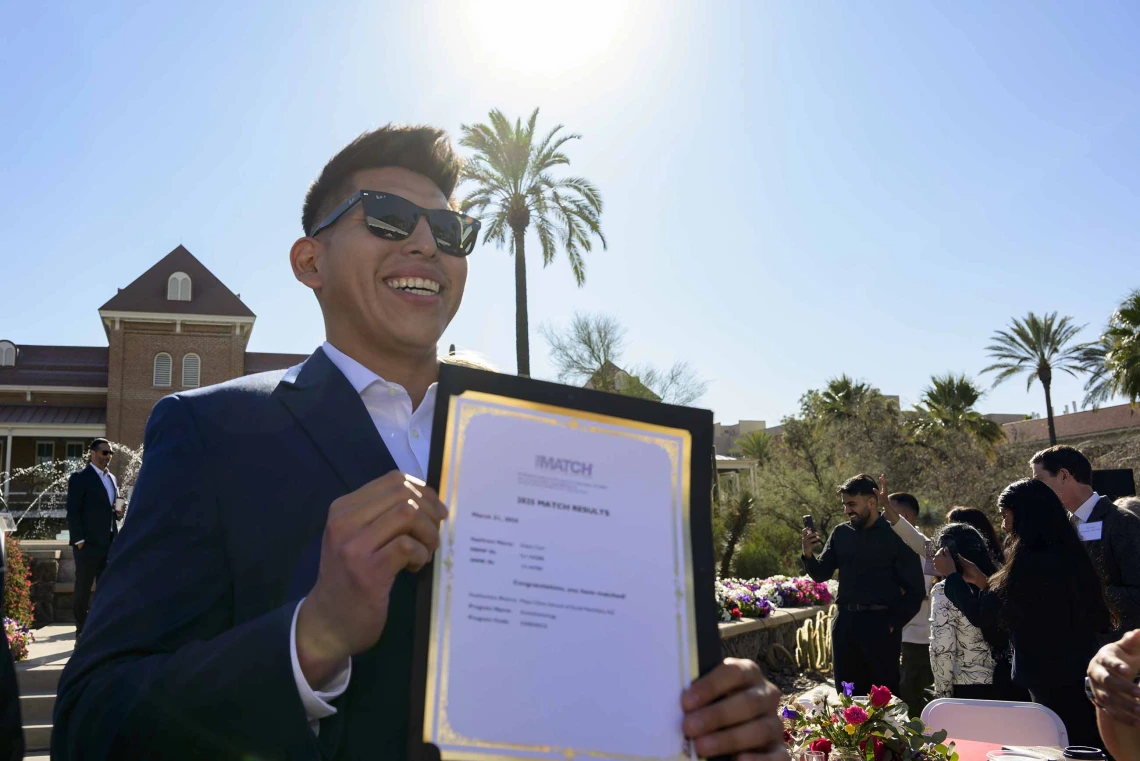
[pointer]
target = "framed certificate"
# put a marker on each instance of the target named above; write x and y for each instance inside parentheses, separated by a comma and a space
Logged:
(571, 600)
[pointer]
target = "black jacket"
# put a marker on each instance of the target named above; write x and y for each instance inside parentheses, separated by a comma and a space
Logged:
(90, 515)
(1116, 556)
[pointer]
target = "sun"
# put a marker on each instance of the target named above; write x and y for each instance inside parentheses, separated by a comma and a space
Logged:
(532, 41)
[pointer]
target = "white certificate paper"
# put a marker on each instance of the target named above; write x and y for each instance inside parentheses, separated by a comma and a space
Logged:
(562, 621)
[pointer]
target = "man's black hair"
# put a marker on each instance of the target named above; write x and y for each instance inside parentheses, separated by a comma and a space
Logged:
(1062, 456)
(903, 498)
(859, 485)
(96, 443)
(423, 150)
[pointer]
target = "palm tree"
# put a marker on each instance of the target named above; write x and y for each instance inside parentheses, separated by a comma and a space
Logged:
(1038, 346)
(514, 188)
(756, 446)
(1114, 360)
(948, 404)
(843, 397)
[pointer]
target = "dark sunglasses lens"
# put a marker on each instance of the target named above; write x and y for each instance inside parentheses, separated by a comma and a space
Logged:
(454, 233)
(390, 217)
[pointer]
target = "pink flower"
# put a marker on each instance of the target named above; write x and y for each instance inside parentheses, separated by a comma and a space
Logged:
(854, 714)
(880, 696)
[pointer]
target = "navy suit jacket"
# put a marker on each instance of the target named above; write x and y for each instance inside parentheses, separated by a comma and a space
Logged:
(186, 651)
(90, 515)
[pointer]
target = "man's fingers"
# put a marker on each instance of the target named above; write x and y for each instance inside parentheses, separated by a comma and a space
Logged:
(402, 553)
(1103, 677)
(731, 676)
(780, 754)
(406, 519)
(735, 709)
(755, 735)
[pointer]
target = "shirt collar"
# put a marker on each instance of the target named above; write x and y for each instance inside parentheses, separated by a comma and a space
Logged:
(95, 468)
(1084, 511)
(360, 377)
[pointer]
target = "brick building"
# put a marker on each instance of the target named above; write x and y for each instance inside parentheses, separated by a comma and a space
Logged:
(175, 327)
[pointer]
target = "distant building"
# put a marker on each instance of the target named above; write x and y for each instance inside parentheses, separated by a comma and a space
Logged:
(725, 436)
(1075, 425)
(610, 377)
(176, 327)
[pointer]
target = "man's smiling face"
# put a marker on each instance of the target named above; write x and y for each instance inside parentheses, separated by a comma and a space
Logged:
(395, 295)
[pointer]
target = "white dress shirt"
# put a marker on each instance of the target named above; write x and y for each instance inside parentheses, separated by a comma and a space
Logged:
(1084, 511)
(407, 434)
(108, 481)
(917, 631)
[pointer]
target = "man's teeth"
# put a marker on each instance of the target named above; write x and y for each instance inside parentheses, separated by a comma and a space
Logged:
(419, 285)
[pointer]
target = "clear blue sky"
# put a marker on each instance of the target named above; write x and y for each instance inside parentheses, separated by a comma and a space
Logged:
(793, 190)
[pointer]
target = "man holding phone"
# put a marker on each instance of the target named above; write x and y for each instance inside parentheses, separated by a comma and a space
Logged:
(880, 588)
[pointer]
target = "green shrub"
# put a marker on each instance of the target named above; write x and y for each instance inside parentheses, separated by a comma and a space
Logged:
(17, 584)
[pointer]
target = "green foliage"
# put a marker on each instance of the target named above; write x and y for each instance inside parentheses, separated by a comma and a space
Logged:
(948, 404)
(755, 446)
(17, 584)
(758, 559)
(1114, 360)
(514, 188)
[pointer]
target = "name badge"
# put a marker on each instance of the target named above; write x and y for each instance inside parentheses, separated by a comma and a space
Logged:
(1090, 532)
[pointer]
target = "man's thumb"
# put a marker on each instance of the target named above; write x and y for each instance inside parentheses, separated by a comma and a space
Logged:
(1130, 642)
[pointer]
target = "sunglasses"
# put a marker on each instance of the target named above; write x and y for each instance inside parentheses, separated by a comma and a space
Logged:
(394, 218)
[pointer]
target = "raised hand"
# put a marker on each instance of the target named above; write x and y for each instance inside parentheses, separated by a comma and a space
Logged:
(1110, 677)
(731, 711)
(891, 514)
(388, 525)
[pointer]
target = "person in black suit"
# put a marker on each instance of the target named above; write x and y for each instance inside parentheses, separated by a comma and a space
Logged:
(1110, 533)
(260, 602)
(91, 516)
(1050, 599)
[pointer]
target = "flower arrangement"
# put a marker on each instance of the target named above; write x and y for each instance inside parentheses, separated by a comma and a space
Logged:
(873, 729)
(755, 598)
(17, 601)
(19, 637)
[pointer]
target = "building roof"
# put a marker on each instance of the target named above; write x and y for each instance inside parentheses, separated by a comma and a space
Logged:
(261, 362)
(208, 295)
(1089, 423)
(84, 366)
(52, 414)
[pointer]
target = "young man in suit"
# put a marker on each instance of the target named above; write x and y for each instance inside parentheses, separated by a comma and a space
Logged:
(267, 610)
(1110, 533)
(91, 515)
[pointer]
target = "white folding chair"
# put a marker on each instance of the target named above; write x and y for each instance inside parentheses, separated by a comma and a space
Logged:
(996, 721)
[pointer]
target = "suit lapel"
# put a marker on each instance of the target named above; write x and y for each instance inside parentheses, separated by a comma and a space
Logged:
(1100, 510)
(97, 484)
(326, 405)
(332, 414)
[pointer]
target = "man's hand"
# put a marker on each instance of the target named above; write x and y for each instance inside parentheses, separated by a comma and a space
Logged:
(889, 512)
(944, 563)
(1111, 673)
(809, 539)
(385, 527)
(732, 711)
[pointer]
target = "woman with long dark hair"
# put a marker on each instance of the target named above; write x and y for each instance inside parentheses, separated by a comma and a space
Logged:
(979, 520)
(962, 656)
(1051, 600)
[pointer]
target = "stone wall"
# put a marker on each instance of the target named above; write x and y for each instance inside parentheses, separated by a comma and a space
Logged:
(754, 637)
(53, 580)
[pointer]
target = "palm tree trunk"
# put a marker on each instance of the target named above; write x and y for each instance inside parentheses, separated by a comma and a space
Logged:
(522, 326)
(1049, 412)
(740, 523)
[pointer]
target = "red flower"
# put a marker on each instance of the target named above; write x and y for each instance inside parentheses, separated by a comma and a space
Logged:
(854, 714)
(822, 745)
(880, 749)
(880, 696)
(787, 737)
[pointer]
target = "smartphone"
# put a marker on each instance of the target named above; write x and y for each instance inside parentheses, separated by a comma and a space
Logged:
(809, 523)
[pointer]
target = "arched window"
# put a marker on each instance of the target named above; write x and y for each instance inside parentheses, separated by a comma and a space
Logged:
(7, 354)
(191, 371)
(178, 287)
(162, 368)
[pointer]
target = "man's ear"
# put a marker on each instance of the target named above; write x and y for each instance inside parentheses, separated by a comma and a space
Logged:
(305, 258)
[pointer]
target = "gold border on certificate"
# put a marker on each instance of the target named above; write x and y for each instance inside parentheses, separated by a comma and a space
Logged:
(677, 443)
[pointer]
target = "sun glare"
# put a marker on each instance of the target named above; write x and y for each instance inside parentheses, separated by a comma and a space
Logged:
(536, 41)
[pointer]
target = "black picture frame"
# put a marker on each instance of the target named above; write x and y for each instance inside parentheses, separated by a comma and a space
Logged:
(454, 380)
